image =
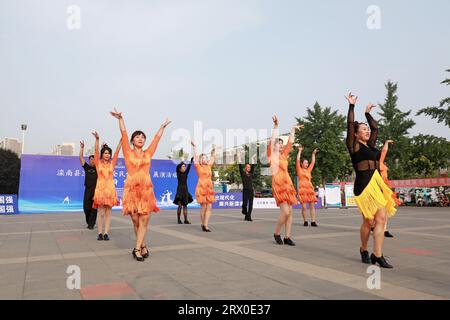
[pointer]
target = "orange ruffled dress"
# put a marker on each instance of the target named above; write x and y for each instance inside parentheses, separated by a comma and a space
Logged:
(105, 191)
(306, 192)
(384, 174)
(282, 186)
(138, 195)
(204, 193)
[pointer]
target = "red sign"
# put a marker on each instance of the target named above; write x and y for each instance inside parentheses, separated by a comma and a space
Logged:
(414, 183)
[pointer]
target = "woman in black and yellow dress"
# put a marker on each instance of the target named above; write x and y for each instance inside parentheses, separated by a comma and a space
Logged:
(372, 195)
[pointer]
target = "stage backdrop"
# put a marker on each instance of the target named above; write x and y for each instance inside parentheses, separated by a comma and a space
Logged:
(56, 183)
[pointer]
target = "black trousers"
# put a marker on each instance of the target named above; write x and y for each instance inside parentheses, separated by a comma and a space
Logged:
(247, 201)
(89, 212)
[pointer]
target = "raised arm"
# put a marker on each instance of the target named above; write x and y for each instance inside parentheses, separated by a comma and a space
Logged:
(274, 137)
(213, 157)
(385, 150)
(189, 166)
(350, 140)
(241, 169)
(194, 148)
(154, 144)
(96, 147)
(313, 160)
(125, 141)
(116, 153)
(299, 156)
(291, 140)
(82, 161)
(373, 126)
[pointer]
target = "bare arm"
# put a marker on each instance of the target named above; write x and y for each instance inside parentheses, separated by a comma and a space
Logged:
(125, 142)
(194, 148)
(96, 147)
(213, 157)
(152, 148)
(385, 150)
(82, 161)
(116, 153)
(275, 136)
(313, 160)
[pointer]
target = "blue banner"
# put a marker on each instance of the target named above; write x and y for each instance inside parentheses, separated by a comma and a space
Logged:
(228, 200)
(56, 183)
(8, 204)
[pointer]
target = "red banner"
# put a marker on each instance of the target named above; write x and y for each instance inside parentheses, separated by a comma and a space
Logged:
(427, 183)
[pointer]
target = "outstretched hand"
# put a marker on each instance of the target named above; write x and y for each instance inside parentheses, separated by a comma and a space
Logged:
(275, 121)
(116, 114)
(389, 141)
(351, 98)
(81, 144)
(315, 151)
(166, 123)
(369, 107)
(95, 134)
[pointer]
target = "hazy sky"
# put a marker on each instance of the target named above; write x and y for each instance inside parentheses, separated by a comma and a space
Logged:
(229, 63)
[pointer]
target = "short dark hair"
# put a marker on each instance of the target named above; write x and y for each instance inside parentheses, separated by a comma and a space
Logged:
(91, 157)
(137, 133)
(279, 139)
(105, 148)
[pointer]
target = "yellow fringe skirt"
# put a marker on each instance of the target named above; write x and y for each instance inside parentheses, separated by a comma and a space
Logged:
(376, 195)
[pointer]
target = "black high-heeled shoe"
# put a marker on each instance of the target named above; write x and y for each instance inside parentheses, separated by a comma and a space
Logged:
(387, 234)
(203, 228)
(278, 239)
(106, 237)
(364, 256)
(141, 258)
(100, 237)
(186, 222)
(289, 242)
(145, 255)
(207, 229)
(305, 224)
(314, 224)
(381, 261)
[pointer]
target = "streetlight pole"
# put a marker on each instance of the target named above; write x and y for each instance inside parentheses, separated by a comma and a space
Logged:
(24, 128)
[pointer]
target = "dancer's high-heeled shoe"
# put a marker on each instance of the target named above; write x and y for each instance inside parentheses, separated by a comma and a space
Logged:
(364, 256)
(381, 261)
(278, 239)
(289, 242)
(135, 256)
(146, 254)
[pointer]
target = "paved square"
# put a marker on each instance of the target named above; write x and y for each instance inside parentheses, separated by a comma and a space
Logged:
(237, 260)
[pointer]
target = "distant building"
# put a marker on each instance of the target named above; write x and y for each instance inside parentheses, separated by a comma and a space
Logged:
(65, 149)
(11, 144)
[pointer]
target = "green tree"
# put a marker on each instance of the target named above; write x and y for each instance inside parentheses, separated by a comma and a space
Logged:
(9, 172)
(442, 112)
(427, 154)
(324, 129)
(395, 125)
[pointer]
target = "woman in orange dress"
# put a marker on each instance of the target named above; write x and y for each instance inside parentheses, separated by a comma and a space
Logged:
(204, 193)
(138, 197)
(105, 196)
(282, 186)
(306, 192)
(384, 174)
